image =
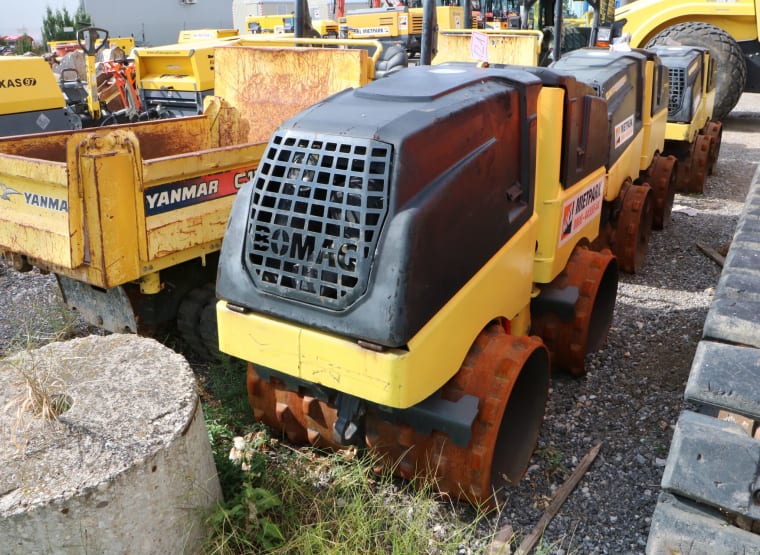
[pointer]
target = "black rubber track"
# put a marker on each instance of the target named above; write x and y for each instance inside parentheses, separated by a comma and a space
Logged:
(732, 69)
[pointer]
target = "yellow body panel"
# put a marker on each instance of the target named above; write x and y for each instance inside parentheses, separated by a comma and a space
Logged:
(653, 125)
(555, 241)
(646, 18)
(626, 167)
(327, 28)
(396, 378)
(380, 25)
(295, 79)
(78, 200)
(504, 47)
(125, 43)
(450, 17)
(28, 85)
(384, 23)
(29, 189)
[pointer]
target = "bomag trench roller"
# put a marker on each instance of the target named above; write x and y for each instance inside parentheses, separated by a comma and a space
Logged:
(384, 266)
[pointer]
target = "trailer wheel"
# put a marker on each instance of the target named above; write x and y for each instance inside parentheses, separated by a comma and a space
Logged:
(208, 328)
(732, 69)
(189, 320)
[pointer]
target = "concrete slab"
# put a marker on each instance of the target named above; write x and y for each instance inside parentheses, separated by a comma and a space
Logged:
(126, 469)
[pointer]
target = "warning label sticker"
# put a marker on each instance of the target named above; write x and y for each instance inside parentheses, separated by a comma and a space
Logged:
(581, 209)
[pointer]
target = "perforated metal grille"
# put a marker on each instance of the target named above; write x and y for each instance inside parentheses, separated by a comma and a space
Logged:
(318, 206)
(677, 89)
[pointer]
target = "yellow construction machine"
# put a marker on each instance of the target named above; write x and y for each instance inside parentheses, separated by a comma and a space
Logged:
(691, 134)
(397, 24)
(30, 99)
(285, 24)
(381, 269)
(174, 79)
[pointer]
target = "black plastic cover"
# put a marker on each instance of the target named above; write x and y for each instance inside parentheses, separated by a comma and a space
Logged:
(618, 77)
(371, 209)
(584, 125)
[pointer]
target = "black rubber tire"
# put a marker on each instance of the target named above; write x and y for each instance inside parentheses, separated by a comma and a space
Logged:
(574, 38)
(732, 69)
(393, 58)
(189, 320)
(208, 329)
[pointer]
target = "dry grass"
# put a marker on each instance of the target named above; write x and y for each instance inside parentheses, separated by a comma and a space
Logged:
(41, 397)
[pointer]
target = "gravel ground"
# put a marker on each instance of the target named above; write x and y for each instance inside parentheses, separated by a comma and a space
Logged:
(632, 395)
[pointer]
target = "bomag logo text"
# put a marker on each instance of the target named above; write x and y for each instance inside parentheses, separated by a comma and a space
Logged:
(300, 246)
(17, 82)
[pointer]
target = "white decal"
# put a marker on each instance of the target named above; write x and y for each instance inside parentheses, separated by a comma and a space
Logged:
(372, 31)
(623, 131)
(479, 46)
(581, 209)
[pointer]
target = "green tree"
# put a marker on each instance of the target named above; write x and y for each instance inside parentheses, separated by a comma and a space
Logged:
(54, 24)
(24, 44)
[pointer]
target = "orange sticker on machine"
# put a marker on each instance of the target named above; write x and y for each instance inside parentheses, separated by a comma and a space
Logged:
(579, 210)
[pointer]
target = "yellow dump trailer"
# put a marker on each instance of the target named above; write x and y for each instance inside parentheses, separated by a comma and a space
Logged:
(130, 218)
(119, 205)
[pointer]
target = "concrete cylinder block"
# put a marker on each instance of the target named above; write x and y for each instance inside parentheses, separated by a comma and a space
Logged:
(122, 466)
